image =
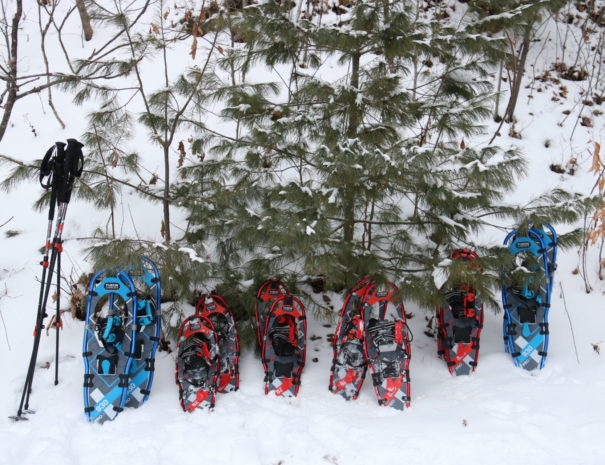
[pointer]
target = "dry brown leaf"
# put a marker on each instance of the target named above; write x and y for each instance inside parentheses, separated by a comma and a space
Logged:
(182, 154)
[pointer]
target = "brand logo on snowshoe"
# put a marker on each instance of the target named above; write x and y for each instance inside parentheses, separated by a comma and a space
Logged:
(111, 286)
(273, 292)
(524, 245)
(287, 308)
(211, 307)
(382, 294)
(102, 405)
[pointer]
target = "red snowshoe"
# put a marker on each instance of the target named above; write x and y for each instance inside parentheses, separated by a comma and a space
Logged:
(217, 311)
(284, 346)
(460, 324)
(197, 363)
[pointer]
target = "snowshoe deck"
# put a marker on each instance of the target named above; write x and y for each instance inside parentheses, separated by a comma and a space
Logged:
(284, 346)
(108, 345)
(387, 346)
(460, 324)
(217, 311)
(267, 294)
(349, 363)
(197, 364)
(148, 329)
(526, 306)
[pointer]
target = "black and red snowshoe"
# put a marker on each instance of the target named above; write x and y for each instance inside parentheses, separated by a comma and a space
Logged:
(460, 324)
(215, 308)
(349, 363)
(284, 346)
(197, 363)
(267, 294)
(387, 346)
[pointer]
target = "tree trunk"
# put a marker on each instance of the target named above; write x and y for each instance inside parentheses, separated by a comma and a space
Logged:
(349, 189)
(11, 83)
(166, 197)
(518, 73)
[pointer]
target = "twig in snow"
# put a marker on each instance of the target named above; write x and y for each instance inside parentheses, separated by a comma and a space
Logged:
(3, 322)
(7, 221)
(570, 325)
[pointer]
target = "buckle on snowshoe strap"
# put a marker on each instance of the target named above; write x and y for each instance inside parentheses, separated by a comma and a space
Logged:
(451, 364)
(149, 364)
(145, 392)
(544, 328)
(117, 409)
(473, 364)
(88, 380)
(382, 401)
(123, 381)
(516, 354)
(542, 354)
(86, 354)
(376, 379)
(89, 409)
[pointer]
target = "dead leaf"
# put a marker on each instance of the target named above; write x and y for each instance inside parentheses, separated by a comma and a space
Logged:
(154, 179)
(182, 154)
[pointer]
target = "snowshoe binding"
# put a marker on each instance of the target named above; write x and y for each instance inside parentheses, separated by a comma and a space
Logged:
(460, 325)
(197, 364)
(284, 346)
(216, 310)
(526, 302)
(268, 292)
(109, 343)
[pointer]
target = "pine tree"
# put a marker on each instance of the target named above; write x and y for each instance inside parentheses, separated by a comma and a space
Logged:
(369, 174)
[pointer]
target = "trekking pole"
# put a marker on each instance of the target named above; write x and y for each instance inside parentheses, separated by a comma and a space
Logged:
(58, 171)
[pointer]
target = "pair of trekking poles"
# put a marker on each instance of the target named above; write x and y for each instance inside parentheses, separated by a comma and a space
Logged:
(61, 165)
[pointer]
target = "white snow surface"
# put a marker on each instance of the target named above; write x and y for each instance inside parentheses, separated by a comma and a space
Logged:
(498, 415)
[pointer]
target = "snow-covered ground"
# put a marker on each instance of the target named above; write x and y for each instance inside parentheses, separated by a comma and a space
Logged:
(498, 415)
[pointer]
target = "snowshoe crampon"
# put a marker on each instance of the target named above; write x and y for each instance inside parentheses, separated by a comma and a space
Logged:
(284, 346)
(267, 294)
(387, 345)
(460, 324)
(109, 344)
(197, 363)
(526, 300)
(148, 329)
(349, 363)
(217, 311)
